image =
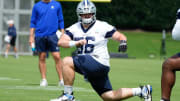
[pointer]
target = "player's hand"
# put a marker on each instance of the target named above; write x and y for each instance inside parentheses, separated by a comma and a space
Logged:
(31, 40)
(81, 42)
(122, 46)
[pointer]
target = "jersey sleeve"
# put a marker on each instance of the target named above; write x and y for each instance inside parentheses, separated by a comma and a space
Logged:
(67, 32)
(60, 17)
(33, 18)
(109, 30)
(176, 30)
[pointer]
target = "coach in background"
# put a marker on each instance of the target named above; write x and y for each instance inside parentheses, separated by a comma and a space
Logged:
(11, 38)
(170, 66)
(46, 20)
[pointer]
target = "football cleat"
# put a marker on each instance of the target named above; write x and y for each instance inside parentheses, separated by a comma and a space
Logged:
(43, 83)
(64, 97)
(146, 92)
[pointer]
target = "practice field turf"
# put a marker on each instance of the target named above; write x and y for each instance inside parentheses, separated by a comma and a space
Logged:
(19, 79)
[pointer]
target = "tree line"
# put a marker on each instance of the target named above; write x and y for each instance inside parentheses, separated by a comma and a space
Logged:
(152, 15)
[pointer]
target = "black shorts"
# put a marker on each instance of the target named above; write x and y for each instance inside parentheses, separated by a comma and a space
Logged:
(96, 73)
(178, 54)
(13, 41)
(47, 43)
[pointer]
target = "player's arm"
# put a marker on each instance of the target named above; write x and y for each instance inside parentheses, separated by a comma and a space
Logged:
(120, 37)
(66, 42)
(31, 36)
(32, 25)
(60, 19)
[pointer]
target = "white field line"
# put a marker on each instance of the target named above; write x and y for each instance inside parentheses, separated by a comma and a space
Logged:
(50, 88)
(8, 78)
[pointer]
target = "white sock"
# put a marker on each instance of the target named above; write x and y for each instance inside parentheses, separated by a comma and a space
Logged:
(62, 82)
(136, 91)
(68, 89)
(6, 54)
(44, 79)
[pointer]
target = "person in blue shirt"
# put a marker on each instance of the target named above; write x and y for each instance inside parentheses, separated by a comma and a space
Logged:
(12, 38)
(46, 20)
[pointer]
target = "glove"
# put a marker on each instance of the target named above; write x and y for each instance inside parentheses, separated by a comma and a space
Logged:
(122, 46)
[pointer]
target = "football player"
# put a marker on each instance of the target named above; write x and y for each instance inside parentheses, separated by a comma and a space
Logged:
(170, 66)
(90, 36)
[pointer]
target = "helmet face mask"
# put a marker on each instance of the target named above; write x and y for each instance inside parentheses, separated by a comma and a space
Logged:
(85, 9)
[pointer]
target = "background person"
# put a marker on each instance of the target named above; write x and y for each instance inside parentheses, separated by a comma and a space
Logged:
(170, 66)
(91, 37)
(46, 19)
(12, 38)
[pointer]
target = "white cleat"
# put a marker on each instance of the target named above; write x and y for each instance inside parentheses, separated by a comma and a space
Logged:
(64, 97)
(146, 93)
(43, 83)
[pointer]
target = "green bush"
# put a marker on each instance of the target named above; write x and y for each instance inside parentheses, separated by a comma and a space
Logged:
(153, 15)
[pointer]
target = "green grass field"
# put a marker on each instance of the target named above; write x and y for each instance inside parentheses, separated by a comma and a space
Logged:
(19, 79)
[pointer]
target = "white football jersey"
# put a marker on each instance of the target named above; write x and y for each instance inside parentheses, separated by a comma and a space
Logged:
(97, 37)
(176, 29)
